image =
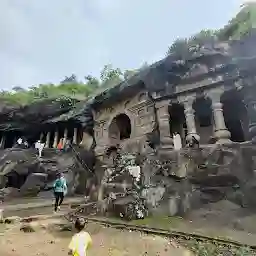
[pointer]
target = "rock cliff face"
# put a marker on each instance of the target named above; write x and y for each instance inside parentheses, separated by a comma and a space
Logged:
(178, 182)
(37, 116)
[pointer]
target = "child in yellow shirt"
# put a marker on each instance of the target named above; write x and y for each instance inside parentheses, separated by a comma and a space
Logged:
(81, 241)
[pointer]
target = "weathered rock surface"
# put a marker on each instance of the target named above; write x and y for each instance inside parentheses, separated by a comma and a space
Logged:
(32, 119)
(211, 175)
(24, 174)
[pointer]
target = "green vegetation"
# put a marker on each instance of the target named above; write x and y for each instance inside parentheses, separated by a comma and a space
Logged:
(159, 222)
(201, 248)
(70, 87)
(236, 28)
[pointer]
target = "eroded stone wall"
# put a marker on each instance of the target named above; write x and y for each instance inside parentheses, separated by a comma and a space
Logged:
(177, 183)
(139, 109)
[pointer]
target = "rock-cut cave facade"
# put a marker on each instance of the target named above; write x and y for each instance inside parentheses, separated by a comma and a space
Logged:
(205, 104)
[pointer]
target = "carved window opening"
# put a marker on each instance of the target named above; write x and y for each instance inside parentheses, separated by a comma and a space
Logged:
(203, 111)
(120, 128)
(177, 121)
(12, 138)
(204, 119)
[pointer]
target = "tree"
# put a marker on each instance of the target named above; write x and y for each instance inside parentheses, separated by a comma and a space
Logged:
(18, 89)
(180, 48)
(205, 35)
(129, 73)
(111, 76)
(92, 82)
(241, 25)
(70, 79)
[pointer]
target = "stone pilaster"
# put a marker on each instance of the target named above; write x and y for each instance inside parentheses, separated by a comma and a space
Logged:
(2, 143)
(190, 118)
(56, 139)
(41, 137)
(221, 132)
(75, 136)
(65, 136)
(48, 138)
(163, 117)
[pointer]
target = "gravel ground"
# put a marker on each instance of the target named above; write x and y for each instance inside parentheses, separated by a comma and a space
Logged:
(48, 240)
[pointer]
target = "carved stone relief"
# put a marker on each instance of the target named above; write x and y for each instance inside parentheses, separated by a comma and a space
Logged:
(140, 111)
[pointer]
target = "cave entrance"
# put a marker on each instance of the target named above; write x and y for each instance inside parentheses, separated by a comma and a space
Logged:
(177, 121)
(11, 139)
(119, 129)
(235, 115)
(15, 180)
(203, 117)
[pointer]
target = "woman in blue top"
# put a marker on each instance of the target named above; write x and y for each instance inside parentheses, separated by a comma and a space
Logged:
(60, 190)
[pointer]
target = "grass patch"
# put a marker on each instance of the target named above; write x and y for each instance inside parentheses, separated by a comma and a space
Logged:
(163, 222)
(201, 248)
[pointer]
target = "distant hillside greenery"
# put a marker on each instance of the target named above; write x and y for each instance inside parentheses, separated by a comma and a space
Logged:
(236, 28)
(71, 87)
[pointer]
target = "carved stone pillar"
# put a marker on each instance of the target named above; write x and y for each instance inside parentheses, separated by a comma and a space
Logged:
(163, 117)
(65, 136)
(190, 118)
(41, 136)
(221, 132)
(75, 136)
(48, 137)
(2, 143)
(56, 139)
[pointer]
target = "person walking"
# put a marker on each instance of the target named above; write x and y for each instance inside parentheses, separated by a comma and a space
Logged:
(60, 145)
(60, 190)
(39, 146)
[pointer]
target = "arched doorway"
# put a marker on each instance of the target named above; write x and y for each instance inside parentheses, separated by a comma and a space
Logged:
(119, 129)
(177, 121)
(235, 115)
(203, 117)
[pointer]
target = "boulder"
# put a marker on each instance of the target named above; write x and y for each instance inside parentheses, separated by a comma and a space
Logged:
(22, 170)
(34, 183)
(27, 228)
(12, 220)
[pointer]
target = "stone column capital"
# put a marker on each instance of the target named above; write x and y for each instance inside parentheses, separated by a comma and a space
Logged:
(164, 104)
(217, 106)
(215, 95)
(187, 101)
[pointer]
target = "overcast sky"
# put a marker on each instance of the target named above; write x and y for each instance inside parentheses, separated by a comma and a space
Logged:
(44, 41)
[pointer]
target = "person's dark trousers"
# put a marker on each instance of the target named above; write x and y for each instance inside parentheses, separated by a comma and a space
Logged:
(59, 196)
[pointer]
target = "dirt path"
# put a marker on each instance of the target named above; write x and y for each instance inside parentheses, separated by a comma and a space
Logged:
(48, 241)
